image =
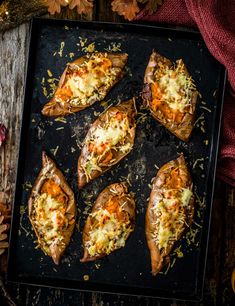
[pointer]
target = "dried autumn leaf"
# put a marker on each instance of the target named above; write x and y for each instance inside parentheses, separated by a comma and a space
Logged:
(84, 7)
(54, 6)
(152, 5)
(127, 8)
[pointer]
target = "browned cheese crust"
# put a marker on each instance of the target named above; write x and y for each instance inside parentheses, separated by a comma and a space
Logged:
(183, 127)
(65, 107)
(163, 180)
(128, 108)
(50, 171)
(125, 204)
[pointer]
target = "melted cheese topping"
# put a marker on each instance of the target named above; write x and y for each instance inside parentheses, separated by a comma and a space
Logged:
(107, 233)
(112, 132)
(49, 220)
(175, 86)
(84, 83)
(110, 136)
(170, 209)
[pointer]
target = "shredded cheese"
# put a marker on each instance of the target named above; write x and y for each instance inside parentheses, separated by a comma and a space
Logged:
(170, 208)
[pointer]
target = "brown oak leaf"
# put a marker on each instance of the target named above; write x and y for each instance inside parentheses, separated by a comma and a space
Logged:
(84, 7)
(127, 8)
(54, 6)
(152, 5)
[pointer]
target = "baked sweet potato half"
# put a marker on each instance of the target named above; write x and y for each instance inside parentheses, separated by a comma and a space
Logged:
(85, 81)
(52, 210)
(170, 210)
(110, 222)
(170, 94)
(109, 139)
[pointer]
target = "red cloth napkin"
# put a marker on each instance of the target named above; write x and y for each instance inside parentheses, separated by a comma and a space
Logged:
(216, 21)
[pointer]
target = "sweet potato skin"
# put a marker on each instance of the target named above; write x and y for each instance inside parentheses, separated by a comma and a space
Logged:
(50, 171)
(129, 108)
(182, 130)
(161, 257)
(55, 108)
(128, 205)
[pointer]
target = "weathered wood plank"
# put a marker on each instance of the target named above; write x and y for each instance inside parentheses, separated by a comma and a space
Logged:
(13, 55)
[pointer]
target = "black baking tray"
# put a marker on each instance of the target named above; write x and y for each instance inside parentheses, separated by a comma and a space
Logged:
(126, 271)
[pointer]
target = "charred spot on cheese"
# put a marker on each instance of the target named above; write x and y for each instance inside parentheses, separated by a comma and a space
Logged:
(172, 86)
(49, 215)
(110, 230)
(84, 81)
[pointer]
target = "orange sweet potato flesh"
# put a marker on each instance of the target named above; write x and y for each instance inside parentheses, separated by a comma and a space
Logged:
(51, 181)
(56, 108)
(126, 107)
(172, 175)
(112, 198)
(178, 123)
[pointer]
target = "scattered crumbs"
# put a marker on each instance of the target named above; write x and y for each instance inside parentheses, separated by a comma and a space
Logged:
(71, 55)
(61, 49)
(191, 236)
(173, 262)
(60, 128)
(45, 92)
(215, 93)
(54, 151)
(196, 161)
(114, 47)
(200, 202)
(54, 269)
(128, 71)
(142, 118)
(169, 39)
(206, 108)
(66, 27)
(27, 185)
(61, 119)
(201, 166)
(33, 120)
(49, 73)
(206, 142)
(141, 273)
(156, 166)
(96, 113)
(198, 225)
(105, 103)
(90, 48)
(149, 186)
(86, 277)
(43, 81)
(82, 41)
(201, 117)
(178, 252)
(72, 149)
(97, 265)
(67, 170)
(203, 102)
(167, 269)
(202, 129)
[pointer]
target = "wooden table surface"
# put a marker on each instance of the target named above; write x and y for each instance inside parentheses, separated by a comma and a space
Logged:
(221, 255)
